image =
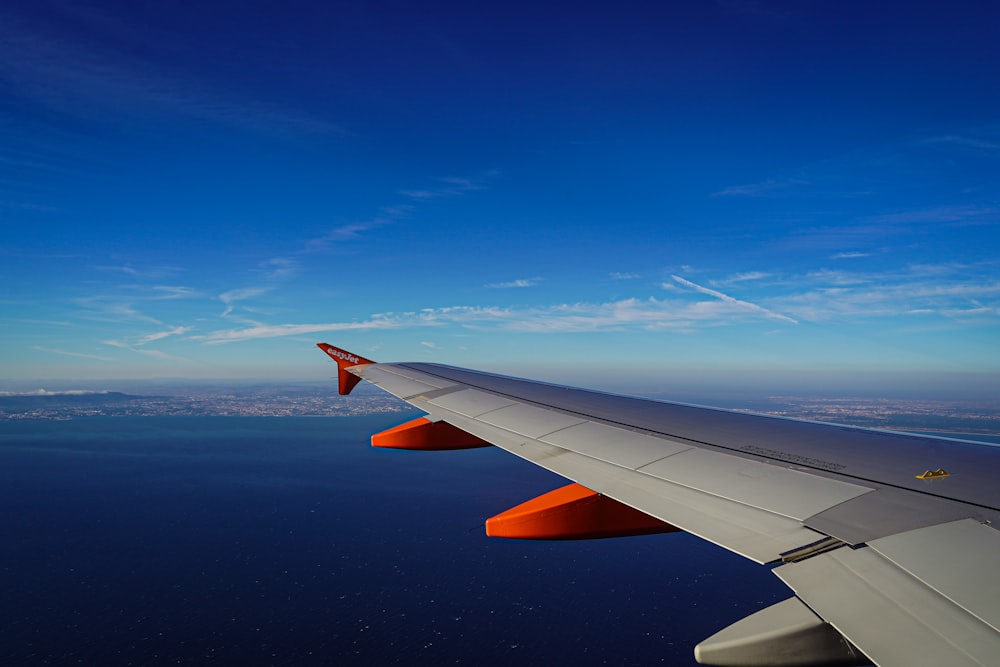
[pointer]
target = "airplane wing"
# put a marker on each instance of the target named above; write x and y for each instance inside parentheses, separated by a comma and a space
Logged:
(885, 539)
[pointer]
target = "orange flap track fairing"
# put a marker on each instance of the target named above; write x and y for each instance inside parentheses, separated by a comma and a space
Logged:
(573, 512)
(423, 434)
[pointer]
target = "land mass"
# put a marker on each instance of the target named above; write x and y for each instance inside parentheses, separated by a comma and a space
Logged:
(201, 400)
(321, 400)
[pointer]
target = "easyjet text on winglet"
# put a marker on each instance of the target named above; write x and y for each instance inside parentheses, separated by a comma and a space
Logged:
(333, 352)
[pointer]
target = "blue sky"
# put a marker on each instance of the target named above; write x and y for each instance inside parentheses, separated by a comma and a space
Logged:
(667, 190)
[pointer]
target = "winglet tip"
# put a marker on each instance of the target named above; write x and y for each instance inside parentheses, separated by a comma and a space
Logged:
(343, 357)
(346, 381)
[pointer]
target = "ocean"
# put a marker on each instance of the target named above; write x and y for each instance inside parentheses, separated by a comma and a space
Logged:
(290, 541)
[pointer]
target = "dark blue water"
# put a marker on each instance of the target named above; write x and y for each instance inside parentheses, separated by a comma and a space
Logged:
(290, 541)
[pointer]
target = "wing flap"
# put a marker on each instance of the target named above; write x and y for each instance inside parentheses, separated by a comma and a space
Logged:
(942, 556)
(787, 492)
(890, 615)
(615, 445)
(530, 421)
(471, 402)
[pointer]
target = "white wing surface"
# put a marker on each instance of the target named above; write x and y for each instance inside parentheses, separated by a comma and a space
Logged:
(886, 539)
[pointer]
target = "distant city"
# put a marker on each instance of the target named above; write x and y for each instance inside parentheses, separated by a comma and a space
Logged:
(899, 414)
(306, 400)
(322, 400)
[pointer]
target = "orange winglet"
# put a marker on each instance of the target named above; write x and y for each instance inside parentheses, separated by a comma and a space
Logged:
(573, 512)
(422, 433)
(346, 381)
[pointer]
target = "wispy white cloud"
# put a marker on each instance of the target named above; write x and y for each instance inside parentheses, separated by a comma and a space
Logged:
(29, 206)
(136, 347)
(149, 272)
(68, 353)
(922, 290)
(100, 71)
(824, 296)
(63, 392)
(731, 300)
(747, 276)
(351, 231)
(832, 238)
(26, 320)
(124, 269)
(160, 354)
(764, 188)
(522, 282)
(850, 255)
(280, 330)
(624, 276)
(243, 293)
(966, 141)
(176, 292)
(651, 314)
(112, 308)
(951, 215)
(345, 232)
(160, 335)
(279, 268)
(450, 186)
(970, 312)
(337, 237)
(831, 278)
(234, 296)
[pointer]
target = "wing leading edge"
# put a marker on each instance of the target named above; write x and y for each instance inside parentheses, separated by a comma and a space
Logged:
(887, 564)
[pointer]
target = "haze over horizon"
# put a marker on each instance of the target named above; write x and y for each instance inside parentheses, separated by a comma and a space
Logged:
(728, 192)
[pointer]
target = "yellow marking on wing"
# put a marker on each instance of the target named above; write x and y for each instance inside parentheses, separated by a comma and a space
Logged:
(933, 474)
